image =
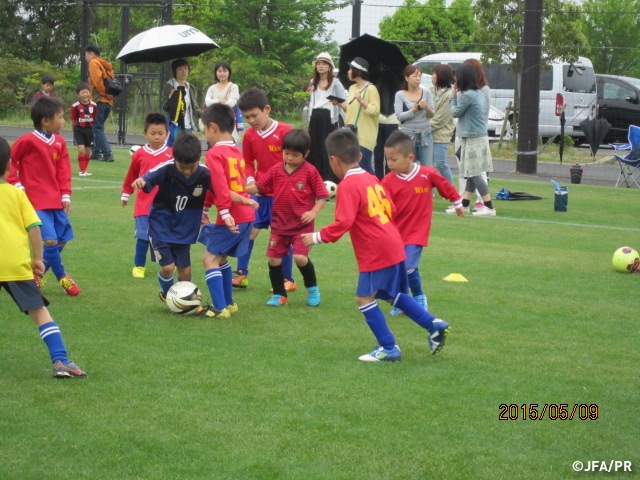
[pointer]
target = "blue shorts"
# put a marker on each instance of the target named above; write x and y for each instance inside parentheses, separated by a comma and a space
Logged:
(25, 294)
(142, 228)
(385, 283)
(219, 240)
(168, 253)
(55, 225)
(263, 214)
(413, 253)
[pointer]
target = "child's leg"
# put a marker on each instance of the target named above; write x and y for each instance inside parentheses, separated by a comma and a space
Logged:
(227, 286)
(140, 257)
(414, 311)
(287, 266)
(53, 259)
(242, 271)
(415, 282)
(307, 269)
(165, 278)
(376, 321)
(184, 274)
(277, 281)
(213, 277)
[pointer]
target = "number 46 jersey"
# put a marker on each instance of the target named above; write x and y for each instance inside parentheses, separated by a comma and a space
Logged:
(364, 210)
(176, 211)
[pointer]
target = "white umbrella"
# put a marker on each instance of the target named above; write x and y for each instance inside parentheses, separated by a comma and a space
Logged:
(165, 43)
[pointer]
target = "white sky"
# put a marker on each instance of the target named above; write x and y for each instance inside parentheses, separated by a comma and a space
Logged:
(371, 12)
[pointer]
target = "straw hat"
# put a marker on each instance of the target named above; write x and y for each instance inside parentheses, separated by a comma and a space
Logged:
(325, 57)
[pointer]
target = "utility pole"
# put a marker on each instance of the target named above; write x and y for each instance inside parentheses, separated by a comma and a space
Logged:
(527, 154)
(355, 18)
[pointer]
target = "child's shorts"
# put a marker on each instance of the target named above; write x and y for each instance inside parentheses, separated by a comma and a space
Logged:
(219, 240)
(278, 246)
(168, 253)
(386, 283)
(263, 214)
(25, 294)
(83, 136)
(413, 253)
(55, 225)
(142, 228)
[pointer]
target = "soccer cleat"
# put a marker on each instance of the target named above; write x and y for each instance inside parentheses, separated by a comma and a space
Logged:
(313, 296)
(40, 281)
(68, 370)
(289, 287)
(381, 354)
(138, 272)
(212, 312)
(85, 174)
(277, 301)
(395, 311)
(69, 286)
(485, 212)
(233, 307)
(240, 280)
(438, 336)
(162, 297)
(422, 301)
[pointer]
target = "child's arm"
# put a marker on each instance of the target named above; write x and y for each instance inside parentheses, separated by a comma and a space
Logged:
(139, 183)
(448, 191)
(237, 198)
(310, 216)
(35, 237)
(252, 189)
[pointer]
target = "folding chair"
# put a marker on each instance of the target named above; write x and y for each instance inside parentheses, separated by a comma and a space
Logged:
(630, 163)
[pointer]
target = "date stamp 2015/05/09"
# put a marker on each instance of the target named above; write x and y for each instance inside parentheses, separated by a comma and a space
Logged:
(551, 411)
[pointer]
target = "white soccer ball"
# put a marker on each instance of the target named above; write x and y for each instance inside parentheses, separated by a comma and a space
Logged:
(133, 149)
(332, 188)
(184, 298)
(626, 260)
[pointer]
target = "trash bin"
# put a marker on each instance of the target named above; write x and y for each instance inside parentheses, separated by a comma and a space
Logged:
(576, 173)
(561, 198)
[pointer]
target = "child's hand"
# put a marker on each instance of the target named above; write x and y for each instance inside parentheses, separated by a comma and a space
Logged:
(231, 224)
(37, 266)
(124, 203)
(205, 219)
(139, 183)
(67, 207)
(308, 217)
(460, 211)
(307, 239)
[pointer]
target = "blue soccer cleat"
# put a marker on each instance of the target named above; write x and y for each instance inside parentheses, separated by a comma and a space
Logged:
(438, 336)
(381, 354)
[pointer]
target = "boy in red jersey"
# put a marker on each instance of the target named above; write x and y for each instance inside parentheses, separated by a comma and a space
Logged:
(364, 210)
(83, 114)
(410, 188)
(299, 194)
(229, 236)
(21, 226)
(156, 131)
(40, 165)
(262, 149)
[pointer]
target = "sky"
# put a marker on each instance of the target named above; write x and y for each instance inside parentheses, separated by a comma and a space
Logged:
(371, 12)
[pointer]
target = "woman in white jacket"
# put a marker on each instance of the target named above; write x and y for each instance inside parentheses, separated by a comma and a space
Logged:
(224, 91)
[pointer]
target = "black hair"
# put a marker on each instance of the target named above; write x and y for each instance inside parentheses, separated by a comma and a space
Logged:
(5, 155)
(297, 140)
(92, 49)
(82, 86)
(401, 142)
(356, 72)
(47, 79)
(187, 149)
(221, 115)
(155, 118)
(466, 77)
(224, 65)
(444, 75)
(344, 145)
(176, 64)
(45, 107)
(253, 98)
(407, 72)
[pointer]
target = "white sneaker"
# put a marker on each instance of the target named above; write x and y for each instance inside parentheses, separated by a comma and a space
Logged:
(451, 210)
(485, 212)
(478, 206)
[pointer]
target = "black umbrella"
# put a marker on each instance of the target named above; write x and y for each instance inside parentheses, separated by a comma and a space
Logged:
(563, 120)
(386, 63)
(595, 129)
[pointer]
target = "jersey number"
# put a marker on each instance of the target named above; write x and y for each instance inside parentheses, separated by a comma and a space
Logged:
(379, 205)
(181, 203)
(235, 167)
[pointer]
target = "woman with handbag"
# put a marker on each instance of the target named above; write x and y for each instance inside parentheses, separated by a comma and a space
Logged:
(363, 110)
(323, 114)
(414, 107)
(180, 101)
(224, 91)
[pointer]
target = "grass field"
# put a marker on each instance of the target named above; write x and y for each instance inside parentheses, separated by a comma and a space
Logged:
(278, 393)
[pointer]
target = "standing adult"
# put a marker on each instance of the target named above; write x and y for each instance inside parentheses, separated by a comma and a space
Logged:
(180, 101)
(323, 113)
(99, 69)
(363, 110)
(475, 155)
(442, 123)
(224, 91)
(414, 106)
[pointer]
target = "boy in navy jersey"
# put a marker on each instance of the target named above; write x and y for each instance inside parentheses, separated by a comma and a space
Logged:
(83, 116)
(299, 195)
(364, 210)
(229, 235)
(40, 166)
(176, 211)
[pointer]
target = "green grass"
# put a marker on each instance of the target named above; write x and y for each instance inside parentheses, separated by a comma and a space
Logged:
(278, 393)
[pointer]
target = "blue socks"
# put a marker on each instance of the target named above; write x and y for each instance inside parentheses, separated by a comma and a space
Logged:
(415, 282)
(414, 311)
(140, 258)
(213, 277)
(287, 265)
(378, 324)
(53, 260)
(227, 286)
(50, 334)
(243, 260)
(165, 284)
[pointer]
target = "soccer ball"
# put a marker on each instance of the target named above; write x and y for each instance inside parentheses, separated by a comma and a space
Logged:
(133, 149)
(626, 260)
(332, 188)
(184, 298)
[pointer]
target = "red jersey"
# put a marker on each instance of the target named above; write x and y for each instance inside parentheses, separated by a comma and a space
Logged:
(295, 193)
(143, 160)
(412, 195)
(262, 149)
(226, 164)
(40, 165)
(84, 114)
(364, 210)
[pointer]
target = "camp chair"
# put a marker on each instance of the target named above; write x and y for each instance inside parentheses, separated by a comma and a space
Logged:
(630, 163)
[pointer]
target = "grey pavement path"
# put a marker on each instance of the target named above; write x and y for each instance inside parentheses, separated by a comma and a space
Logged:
(600, 173)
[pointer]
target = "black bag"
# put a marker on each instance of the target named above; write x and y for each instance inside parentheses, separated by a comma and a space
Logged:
(350, 127)
(113, 86)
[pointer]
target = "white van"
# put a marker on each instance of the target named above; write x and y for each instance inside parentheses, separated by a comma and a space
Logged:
(576, 82)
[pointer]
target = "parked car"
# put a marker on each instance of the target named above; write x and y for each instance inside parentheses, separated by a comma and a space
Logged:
(619, 104)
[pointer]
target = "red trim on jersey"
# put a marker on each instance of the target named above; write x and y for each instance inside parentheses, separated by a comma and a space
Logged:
(262, 149)
(143, 160)
(84, 114)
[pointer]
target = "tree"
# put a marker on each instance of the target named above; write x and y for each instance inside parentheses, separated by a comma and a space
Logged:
(422, 29)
